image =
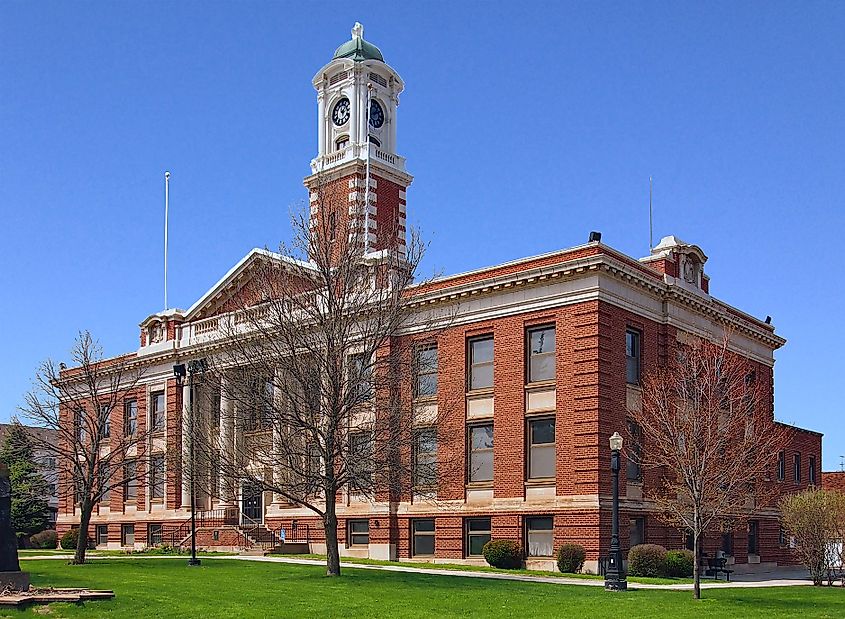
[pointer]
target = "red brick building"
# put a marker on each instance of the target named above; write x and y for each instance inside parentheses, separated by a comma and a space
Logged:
(544, 356)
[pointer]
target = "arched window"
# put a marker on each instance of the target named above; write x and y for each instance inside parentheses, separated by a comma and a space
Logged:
(342, 142)
(375, 141)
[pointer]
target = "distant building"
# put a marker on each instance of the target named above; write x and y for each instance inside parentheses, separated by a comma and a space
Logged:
(834, 480)
(46, 464)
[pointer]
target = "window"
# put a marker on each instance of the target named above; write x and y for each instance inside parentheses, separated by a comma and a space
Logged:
(728, 543)
(477, 534)
(157, 477)
(811, 471)
(637, 532)
(541, 354)
(127, 535)
(360, 377)
(359, 532)
(423, 534)
(783, 539)
(130, 483)
(105, 421)
(781, 465)
(332, 226)
(753, 529)
(157, 410)
(102, 534)
(632, 356)
(426, 366)
(425, 458)
(481, 363)
(360, 460)
(481, 453)
(796, 468)
(260, 416)
(539, 535)
(375, 141)
(154, 534)
(79, 427)
(635, 452)
(541, 448)
(130, 418)
(342, 142)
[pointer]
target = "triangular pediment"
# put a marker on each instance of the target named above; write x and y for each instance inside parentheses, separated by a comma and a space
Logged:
(237, 288)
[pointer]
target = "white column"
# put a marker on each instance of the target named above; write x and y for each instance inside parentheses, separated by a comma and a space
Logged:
(186, 444)
(227, 433)
(353, 115)
(278, 471)
(392, 121)
(321, 125)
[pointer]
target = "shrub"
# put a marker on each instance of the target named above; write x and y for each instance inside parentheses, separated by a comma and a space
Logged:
(45, 539)
(647, 560)
(70, 539)
(570, 558)
(679, 563)
(503, 553)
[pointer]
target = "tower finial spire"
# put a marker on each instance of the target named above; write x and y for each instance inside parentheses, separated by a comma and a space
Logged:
(358, 30)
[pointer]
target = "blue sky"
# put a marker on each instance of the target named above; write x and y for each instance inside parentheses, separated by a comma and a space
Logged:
(526, 126)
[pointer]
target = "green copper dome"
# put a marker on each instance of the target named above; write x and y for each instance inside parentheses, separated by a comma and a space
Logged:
(358, 49)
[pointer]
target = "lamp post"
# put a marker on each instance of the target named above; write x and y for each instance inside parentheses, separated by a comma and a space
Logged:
(195, 366)
(614, 578)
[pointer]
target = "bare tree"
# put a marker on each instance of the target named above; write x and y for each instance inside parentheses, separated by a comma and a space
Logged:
(708, 430)
(79, 403)
(319, 368)
(814, 518)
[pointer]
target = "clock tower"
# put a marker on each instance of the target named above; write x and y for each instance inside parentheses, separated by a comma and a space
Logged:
(358, 181)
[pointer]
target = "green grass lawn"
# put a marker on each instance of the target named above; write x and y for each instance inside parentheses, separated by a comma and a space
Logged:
(227, 588)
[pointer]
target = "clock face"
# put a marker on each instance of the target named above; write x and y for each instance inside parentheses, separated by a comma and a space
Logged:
(340, 114)
(376, 114)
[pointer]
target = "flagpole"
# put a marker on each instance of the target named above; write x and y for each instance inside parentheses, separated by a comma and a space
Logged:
(166, 209)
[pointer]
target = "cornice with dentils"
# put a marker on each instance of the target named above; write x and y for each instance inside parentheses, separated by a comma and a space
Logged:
(605, 263)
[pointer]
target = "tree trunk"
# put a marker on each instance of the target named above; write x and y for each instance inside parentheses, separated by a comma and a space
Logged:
(696, 560)
(82, 542)
(330, 527)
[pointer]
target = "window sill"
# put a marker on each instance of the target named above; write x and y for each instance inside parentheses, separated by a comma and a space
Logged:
(541, 384)
(479, 485)
(428, 399)
(540, 481)
(635, 386)
(478, 393)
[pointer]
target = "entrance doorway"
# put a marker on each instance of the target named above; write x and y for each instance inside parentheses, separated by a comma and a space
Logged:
(253, 504)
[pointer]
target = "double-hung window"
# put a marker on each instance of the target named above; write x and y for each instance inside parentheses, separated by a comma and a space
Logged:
(481, 363)
(361, 460)
(541, 354)
(796, 468)
(811, 471)
(425, 458)
(158, 411)
(130, 481)
(423, 533)
(360, 377)
(753, 534)
(130, 417)
(359, 532)
(102, 534)
(426, 369)
(477, 534)
(157, 476)
(154, 534)
(632, 356)
(539, 533)
(481, 453)
(127, 535)
(781, 465)
(541, 448)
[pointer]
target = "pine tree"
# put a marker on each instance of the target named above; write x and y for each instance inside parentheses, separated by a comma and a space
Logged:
(29, 488)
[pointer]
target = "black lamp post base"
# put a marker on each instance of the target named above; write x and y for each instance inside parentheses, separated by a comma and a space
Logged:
(194, 561)
(615, 584)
